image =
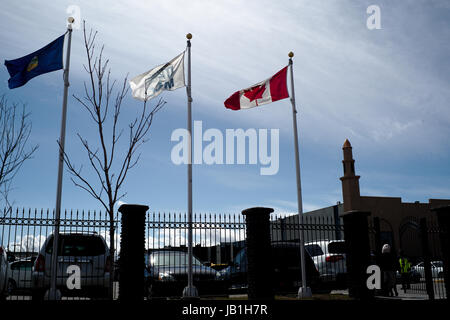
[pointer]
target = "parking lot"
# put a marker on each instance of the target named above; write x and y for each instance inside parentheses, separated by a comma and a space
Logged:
(220, 264)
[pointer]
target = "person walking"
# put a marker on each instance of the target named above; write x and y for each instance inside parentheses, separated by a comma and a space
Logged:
(405, 271)
(388, 266)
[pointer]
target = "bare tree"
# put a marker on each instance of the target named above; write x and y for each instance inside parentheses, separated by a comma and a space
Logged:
(109, 162)
(15, 129)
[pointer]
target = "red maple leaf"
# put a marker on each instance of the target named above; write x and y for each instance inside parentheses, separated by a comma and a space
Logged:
(255, 92)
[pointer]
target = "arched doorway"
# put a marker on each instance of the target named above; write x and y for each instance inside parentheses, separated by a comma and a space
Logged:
(409, 235)
(387, 234)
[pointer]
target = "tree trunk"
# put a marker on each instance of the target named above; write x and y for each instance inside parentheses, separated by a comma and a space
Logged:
(111, 253)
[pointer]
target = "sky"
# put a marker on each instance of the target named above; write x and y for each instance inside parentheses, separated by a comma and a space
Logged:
(386, 90)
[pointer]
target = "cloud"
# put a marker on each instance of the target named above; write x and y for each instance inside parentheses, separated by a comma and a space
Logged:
(353, 82)
(386, 90)
(211, 234)
(388, 129)
(27, 243)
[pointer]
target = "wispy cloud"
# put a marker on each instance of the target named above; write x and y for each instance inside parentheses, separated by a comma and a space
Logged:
(386, 90)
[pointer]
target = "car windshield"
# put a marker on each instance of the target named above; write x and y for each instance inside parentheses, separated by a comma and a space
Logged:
(314, 250)
(22, 265)
(172, 259)
(78, 245)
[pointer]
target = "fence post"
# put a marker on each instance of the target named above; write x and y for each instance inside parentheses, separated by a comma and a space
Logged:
(443, 216)
(426, 258)
(356, 235)
(258, 243)
(132, 250)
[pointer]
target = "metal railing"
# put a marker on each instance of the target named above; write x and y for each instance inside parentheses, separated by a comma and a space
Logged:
(219, 245)
(218, 248)
(427, 275)
(26, 235)
(419, 242)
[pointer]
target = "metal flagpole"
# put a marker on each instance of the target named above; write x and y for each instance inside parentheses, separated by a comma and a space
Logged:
(53, 294)
(303, 291)
(190, 291)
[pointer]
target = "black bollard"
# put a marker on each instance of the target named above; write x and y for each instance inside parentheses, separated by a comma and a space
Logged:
(132, 250)
(258, 244)
(443, 215)
(356, 234)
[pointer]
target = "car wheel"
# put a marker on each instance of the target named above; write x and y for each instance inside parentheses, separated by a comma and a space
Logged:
(150, 292)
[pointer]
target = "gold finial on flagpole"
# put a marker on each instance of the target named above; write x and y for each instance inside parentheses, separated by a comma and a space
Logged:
(189, 36)
(70, 20)
(291, 54)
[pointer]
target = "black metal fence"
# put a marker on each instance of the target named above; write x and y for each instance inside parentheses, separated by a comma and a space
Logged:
(26, 236)
(220, 255)
(217, 238)
(427, 275)
(219, 263)
(418, 241)
(218, 248)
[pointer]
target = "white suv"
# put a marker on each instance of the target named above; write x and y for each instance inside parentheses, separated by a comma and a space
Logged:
(87, 251)
(329, 258)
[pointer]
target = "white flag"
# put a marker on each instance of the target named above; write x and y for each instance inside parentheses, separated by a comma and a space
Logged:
(150, 84)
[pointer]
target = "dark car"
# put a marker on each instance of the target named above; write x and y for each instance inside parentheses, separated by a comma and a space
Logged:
(286, 262)
(166, 274)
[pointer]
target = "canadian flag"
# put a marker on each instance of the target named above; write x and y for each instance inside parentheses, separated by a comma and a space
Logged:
(267, 91)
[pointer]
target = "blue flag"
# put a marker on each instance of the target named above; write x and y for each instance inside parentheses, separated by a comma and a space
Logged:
(47, 59)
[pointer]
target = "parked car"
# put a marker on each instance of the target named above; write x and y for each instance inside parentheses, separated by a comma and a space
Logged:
(4, 274)
(286, 262)
(89, 251)
(437, 270)
(414, 276)
(20, 275)
(330, 260)
(166, 274)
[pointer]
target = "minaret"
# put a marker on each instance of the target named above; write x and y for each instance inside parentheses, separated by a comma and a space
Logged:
(350, 181)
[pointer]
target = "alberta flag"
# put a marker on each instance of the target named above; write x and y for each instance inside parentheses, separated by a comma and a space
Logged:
(46, 59)
(169, 76)
(267, 91)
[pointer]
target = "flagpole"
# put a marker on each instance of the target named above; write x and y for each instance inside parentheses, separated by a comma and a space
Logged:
(190, 291)
(303, 291)
(53, 294)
